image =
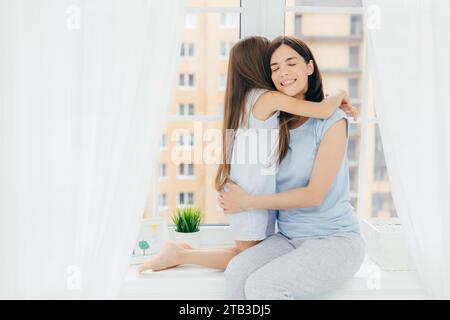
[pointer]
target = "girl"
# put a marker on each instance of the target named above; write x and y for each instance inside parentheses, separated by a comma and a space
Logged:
(318, 246)
(250, 103)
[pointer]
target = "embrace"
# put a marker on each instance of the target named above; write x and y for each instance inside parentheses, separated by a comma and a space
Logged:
(296, 233)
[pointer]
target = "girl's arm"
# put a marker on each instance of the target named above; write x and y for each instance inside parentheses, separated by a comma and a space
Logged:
(328, 161)
(273, 101)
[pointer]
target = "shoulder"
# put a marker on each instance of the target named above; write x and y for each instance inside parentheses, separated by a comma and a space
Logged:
(323, 125)
(254, 94)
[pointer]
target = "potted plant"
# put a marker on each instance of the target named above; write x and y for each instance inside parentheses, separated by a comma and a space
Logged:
(187, 221)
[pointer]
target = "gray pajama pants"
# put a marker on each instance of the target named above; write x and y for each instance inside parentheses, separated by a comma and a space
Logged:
(294, 268)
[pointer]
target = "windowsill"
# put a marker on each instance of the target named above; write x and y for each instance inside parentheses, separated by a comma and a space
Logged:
(193, 282)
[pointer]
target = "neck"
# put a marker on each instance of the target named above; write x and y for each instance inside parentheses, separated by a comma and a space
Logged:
(300, 96)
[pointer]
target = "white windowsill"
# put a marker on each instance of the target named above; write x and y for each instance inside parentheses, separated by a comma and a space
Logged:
(193, 282)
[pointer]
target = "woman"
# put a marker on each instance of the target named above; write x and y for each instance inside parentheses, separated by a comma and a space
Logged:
(318, 246)
(250, 103)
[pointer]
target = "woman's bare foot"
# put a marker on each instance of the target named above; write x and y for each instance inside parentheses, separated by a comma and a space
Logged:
(168, 257)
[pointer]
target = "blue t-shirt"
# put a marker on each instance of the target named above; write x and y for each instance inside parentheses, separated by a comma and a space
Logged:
(335, 214)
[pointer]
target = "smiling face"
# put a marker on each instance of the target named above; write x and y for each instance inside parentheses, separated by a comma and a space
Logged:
(289, 71)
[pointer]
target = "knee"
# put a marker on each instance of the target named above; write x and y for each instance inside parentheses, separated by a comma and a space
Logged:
(261, 286)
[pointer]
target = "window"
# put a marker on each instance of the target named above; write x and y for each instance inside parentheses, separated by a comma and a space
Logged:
(164, 141)
(356, 25)
(380, 172)
(336, 37)
(229, 20)
(185, 140)
(298, 25)
(190, 21)
(163, 170)
(222, 81)
(383, 206)
(185, 199)
(224, 50)
(163, 201)
(185, 170)
(187, 49)
(331, 28)
(353, 88)
(186, 80)
(354, 57)
(186, 109)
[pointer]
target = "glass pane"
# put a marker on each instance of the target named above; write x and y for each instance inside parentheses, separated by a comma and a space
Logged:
(378, 198)
(381, 198)
(337, 42)
(200, 91)
(336, 46)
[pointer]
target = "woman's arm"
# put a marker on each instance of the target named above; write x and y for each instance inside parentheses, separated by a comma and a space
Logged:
(328, 161)
(273, 101)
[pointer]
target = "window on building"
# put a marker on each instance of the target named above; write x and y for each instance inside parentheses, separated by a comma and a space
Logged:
(353, 88)
(222, 81)
(163, 201)
(185, 170)
(190, 21)
(187, 49)
(354, 57)
(163, 170)
(164, 140)
(229, 20)
(298, 25)
(186, 109)
(356, 25)
(224, 49)
(186, 80)
(185, 199)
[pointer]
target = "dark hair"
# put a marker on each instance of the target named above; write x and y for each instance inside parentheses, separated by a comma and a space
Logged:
(245, 72)
(313, 93)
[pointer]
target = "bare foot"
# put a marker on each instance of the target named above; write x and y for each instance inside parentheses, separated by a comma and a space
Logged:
(168, 257)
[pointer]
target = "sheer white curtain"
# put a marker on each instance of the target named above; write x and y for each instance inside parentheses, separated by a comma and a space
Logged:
(84, 87)
(409, 56)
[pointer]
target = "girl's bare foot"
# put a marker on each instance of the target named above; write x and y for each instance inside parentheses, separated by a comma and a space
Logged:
(168, 257)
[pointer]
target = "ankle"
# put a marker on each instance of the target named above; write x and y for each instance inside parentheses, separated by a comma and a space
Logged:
(183, 256)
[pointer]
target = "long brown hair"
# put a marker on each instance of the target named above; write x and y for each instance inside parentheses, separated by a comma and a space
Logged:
(313, 93)
(245, 72)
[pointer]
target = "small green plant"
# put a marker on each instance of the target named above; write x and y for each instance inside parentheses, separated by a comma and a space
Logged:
(187, 219)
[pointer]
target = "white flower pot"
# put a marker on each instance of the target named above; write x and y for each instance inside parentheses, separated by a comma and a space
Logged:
(192, 238)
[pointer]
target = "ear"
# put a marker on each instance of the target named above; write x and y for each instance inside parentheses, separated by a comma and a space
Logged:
(310, 67)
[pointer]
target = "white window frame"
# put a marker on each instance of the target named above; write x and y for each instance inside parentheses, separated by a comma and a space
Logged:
(186, 198)
(185, 83)
(254, 15)
(185, 175)
(161, 166)
(186, 107)
(188, 141)
(185, 50)
(164, 141)
(231, 20)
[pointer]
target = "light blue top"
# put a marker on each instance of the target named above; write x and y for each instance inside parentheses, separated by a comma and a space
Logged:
(335, 214)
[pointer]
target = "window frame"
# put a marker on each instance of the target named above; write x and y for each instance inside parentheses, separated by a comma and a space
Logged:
(253, 15)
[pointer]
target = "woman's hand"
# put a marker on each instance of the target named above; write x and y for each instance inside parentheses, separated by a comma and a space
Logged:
(235, 199)
(350, 110)
(346, 106)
